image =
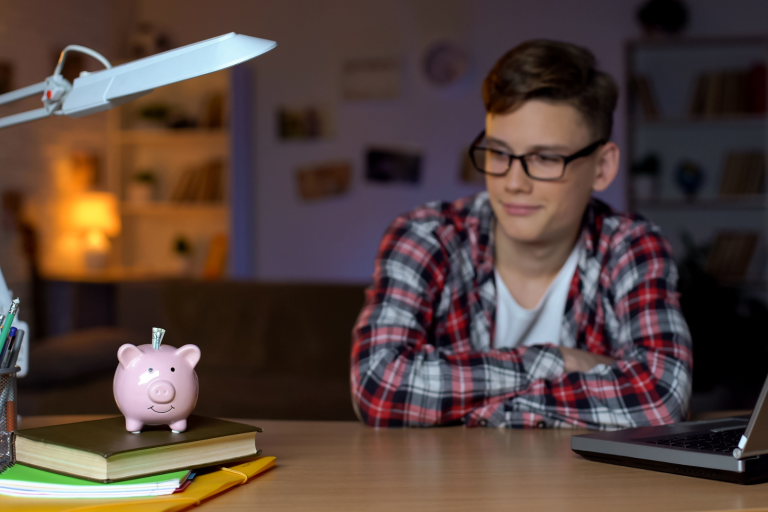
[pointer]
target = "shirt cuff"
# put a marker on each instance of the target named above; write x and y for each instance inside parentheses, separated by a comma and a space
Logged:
(543, 362)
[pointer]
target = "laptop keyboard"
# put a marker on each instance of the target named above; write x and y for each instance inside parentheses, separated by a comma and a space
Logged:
(717, 442)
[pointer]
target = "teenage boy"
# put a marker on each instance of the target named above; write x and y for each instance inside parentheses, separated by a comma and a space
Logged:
(531, 304)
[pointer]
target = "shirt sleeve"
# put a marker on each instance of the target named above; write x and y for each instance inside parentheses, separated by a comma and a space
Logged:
(650, 381)
(398, 377)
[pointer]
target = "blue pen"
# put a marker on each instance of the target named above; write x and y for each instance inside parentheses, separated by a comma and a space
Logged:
(5, 354)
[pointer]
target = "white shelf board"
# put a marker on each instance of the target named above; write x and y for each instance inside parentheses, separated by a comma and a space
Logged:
(173, 208)
(746, 202)
(182, 136)
(757, 122)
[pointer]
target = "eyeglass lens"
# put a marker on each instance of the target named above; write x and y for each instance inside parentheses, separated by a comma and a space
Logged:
(539, 165)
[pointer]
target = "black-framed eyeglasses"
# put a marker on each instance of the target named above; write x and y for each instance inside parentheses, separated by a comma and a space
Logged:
(541, 166)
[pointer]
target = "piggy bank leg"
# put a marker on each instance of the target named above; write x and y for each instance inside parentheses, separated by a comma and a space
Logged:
(134, 426)
(178, 426)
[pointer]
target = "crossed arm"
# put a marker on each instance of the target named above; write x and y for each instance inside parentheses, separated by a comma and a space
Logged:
(400, 379)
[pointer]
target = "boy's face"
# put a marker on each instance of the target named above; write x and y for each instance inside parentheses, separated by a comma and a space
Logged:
(532, 211)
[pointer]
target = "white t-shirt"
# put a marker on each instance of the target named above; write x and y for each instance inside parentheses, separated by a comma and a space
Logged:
(517, 326)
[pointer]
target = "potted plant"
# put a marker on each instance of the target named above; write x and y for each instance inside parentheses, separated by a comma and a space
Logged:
(141, 189)
(645, 178)
(182, 251)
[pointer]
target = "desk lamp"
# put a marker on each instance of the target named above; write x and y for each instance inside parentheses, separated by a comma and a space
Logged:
(102, 90)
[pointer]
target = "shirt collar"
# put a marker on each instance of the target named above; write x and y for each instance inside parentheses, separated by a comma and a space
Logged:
(485, 223)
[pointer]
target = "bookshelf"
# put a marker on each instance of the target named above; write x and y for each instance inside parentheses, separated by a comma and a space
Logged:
(698, 107)
(168, 162)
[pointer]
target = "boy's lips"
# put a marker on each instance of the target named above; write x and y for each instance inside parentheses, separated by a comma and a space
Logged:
(520, 210)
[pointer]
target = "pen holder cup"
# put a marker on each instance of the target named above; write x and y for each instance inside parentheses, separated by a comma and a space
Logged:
(7, 414)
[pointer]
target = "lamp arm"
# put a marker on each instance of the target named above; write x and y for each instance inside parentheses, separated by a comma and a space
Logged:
(82, 49)
(24, 92)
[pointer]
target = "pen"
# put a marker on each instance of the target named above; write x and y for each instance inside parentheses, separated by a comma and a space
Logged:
(8, 322)
(5, 354)
(16, 348)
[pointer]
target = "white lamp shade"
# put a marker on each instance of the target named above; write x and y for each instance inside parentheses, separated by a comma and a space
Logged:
(105, 89)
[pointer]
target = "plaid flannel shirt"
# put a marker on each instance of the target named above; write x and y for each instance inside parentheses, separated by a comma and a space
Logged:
(423, 351)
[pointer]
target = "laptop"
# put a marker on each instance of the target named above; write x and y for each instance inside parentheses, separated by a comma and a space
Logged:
(731, 449)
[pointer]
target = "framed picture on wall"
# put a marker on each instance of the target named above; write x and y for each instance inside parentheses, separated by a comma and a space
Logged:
(386, 165)
(323, 180)
(370, 79)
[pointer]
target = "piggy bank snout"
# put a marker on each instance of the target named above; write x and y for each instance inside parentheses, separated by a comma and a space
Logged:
(161, 392)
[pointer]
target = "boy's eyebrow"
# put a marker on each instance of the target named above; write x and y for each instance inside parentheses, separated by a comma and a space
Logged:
(539, 147)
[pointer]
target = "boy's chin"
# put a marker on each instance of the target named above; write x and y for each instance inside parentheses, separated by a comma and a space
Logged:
(519, 233)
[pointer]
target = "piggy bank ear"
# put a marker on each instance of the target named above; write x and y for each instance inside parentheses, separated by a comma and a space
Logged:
(189, 352)
(128, 353)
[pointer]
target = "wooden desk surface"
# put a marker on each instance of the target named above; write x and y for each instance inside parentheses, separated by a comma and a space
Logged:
(345, 466)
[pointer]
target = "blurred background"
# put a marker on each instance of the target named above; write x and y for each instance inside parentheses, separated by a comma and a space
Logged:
(242, 210)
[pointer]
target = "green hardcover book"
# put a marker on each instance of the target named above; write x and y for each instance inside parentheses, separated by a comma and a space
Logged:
(103, 451)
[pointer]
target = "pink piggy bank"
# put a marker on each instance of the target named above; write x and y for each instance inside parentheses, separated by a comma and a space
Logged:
(156, 385)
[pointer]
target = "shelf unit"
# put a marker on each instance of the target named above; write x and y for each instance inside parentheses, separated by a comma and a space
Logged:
(135, 145)
(673, 69)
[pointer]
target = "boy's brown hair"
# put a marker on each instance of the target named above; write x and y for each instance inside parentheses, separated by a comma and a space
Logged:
(552, 70)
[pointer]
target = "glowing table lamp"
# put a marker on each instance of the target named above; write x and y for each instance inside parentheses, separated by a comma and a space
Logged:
(101, 90)
(95, 215)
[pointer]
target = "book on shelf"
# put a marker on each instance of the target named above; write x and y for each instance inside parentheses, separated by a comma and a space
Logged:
(729, 93)
(216, 260)
(200, 184)
(730, 255)
(103, 451)
(743, 174)
(645, 95)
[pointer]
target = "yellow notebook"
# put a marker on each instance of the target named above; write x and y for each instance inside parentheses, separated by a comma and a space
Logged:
(202, 488)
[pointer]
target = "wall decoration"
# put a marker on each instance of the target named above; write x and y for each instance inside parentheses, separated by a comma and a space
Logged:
(385, 165)
(323, 180)
(311, 122)
(663, 17)
(370, 79)
(444, 64)
(468, 173)
(145, 40)
(6, 77)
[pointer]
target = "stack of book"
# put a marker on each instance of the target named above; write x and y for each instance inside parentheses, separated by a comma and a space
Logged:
(643, 93)
(203, 184)
(730, 255)
(728, 93)
(100, 459)
(744, 173)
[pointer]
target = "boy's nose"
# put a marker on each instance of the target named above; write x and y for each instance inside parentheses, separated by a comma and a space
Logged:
(516, 178)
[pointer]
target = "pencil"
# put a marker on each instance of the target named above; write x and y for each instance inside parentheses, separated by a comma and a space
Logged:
(8, 322)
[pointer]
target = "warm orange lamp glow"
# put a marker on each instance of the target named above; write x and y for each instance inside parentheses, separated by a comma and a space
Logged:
(95, 214)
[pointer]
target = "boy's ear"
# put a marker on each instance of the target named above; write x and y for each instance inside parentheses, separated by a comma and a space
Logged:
(607, 166)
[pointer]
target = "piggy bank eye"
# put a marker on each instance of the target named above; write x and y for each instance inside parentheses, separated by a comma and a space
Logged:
(173, 369)
(150, 370)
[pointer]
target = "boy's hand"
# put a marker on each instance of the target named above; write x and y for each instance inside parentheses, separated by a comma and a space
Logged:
(577, 360)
